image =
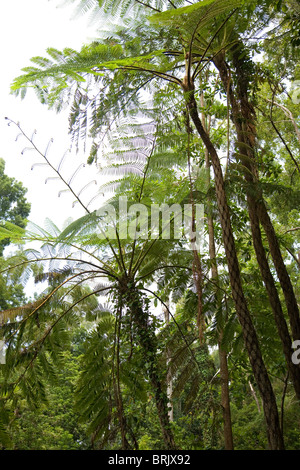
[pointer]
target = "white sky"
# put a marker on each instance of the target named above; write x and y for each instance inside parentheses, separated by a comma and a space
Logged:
(27, 28)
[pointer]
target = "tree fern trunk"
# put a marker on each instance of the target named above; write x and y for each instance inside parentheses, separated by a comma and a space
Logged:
(243, 118)
(249, 334)
(247, 120)
(117, 388)
(169, 374)
(147, 340)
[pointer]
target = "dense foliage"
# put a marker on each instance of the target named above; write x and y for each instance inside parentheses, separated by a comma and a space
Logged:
(157, 341)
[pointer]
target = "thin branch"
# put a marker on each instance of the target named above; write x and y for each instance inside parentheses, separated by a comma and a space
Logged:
(172, 4)
(292, 254)
(289, 114)
(281, 138)
(49, 164)
(147, 6)
(292, 229)
(163, 75)
(66, 183)
(66, 258)
(282, 401)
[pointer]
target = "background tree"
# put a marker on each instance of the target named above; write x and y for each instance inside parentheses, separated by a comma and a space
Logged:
(14, 207)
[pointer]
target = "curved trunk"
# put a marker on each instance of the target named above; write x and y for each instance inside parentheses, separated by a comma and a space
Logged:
(225, 401)
(249, 334)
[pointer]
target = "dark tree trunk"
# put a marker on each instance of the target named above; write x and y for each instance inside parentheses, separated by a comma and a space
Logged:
(147, 340)
(117, 390)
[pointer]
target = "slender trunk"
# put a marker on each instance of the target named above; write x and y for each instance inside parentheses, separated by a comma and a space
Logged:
(224, 374)
(147, 339)
(197, 267)
(254, 396)
(246, 135)
(225, 400)
(117, 390)
(249, 334)
(282, 401)
(169, 374)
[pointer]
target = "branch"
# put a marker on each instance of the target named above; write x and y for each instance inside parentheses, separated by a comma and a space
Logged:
(44, 301)
(147, 6)
(289, 114)
(48, 162)
(281, 138)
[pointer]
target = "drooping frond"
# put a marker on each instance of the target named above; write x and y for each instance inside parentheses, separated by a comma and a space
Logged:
(11, 313)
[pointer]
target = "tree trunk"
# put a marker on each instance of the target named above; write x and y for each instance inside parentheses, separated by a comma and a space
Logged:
(147, 339)
(243, 118)
(117, 390)
(247, 118)
(169, 374)
(225, 399)
(249, 334)
(224, 374)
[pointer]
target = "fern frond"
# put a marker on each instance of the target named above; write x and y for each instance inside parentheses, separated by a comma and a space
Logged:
(200, 14)
(21, 311)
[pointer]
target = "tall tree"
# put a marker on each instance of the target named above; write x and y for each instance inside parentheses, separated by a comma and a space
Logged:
(122, 66)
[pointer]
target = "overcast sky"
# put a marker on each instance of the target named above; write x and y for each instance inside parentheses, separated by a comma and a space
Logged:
(27, 28)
